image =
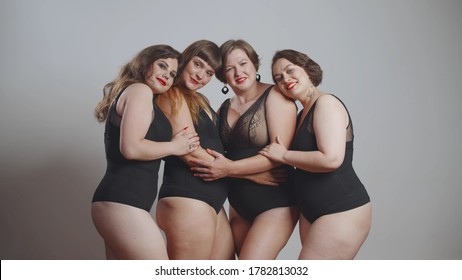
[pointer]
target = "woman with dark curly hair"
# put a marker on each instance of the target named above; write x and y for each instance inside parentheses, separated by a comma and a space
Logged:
(335, 206)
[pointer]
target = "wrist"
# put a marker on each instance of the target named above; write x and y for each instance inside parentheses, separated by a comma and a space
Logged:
(232, 170)
(284, 157)
(171, 149)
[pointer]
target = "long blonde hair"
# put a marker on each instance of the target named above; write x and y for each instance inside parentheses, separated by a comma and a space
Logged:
(195, 102)
(210, 53)
(134, 71)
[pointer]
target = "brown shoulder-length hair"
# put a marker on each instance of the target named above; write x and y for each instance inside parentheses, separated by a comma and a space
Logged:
(227, 47)
(210, 53)
(310, 66)
(135, 71)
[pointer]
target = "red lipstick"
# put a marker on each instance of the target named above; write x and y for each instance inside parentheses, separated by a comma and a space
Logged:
(290, 86)
(162, 82)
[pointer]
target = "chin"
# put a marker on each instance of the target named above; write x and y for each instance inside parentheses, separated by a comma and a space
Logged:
(191, 87)
(196, 87)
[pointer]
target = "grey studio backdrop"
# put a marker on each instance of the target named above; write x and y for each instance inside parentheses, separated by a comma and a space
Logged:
(396, 64)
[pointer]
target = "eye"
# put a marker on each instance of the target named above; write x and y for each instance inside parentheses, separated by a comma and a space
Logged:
(278, 78)
(210, 73)
(290, 70)
(162, 65)
(173, 74)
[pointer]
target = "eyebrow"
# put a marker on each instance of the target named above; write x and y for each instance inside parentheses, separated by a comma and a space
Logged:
(161, 60)
(240, 61)
(199, 61)
(284, 69)
(288, 65)
(204, 64)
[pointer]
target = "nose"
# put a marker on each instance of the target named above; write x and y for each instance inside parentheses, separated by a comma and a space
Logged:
(237, 71)
(285, 77)
(200, 74)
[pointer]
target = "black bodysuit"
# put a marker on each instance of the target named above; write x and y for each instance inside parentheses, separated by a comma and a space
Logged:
(246, 139)
(131, 182)
(320, 194)
(179, 181)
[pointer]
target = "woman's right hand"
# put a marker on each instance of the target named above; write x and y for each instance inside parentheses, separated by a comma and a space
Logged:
(185, 142)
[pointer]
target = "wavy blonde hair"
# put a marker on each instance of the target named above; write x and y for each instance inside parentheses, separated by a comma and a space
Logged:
(134, 71)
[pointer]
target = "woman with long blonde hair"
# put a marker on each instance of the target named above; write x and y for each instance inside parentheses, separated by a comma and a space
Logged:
(137, 135)
(190, 211)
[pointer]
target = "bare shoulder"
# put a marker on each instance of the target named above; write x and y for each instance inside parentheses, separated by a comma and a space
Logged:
(278, 103)
(328, 100)
(329, 105)
(137, 91)
(277, 97)
(136, 97)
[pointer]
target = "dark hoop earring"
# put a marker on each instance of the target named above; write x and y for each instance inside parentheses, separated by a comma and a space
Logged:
(225, 89)
(258, 77)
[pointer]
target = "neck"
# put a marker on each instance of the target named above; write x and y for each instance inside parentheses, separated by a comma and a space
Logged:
(184, 89)
(249, 95)
(312, 92)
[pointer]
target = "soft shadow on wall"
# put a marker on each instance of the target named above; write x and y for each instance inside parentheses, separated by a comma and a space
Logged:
(46, 211)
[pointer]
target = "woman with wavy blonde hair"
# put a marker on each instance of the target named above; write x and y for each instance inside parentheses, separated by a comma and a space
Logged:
(136, 137)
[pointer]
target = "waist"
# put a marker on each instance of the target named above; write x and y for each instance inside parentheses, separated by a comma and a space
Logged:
(149, 166)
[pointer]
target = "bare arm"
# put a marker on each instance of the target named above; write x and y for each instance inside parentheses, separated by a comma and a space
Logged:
(135, 107)
(179, 121)
(273, 177)
(330, 122)
(281, 118)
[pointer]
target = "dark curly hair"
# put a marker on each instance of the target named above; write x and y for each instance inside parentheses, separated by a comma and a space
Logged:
(310, 66)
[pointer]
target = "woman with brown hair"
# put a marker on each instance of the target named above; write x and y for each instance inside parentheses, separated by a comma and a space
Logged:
(190, 211)
(335, 207)
(136, 137)
(262, 216)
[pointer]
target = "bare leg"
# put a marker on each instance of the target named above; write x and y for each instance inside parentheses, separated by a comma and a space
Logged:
(269, 233)
(303, 228)
(128, 232)
(336, 236)
(239, 227)
(109, 254)
(223, 246)
(189, 226)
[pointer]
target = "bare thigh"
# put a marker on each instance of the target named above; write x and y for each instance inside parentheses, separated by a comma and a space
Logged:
(128, 232)
(239, 228)
(223, 245)
(189, 226)
(269, 233)
(335, 236)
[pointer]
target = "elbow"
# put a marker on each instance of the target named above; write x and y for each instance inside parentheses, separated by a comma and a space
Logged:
(333, 163)
(129, 153)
